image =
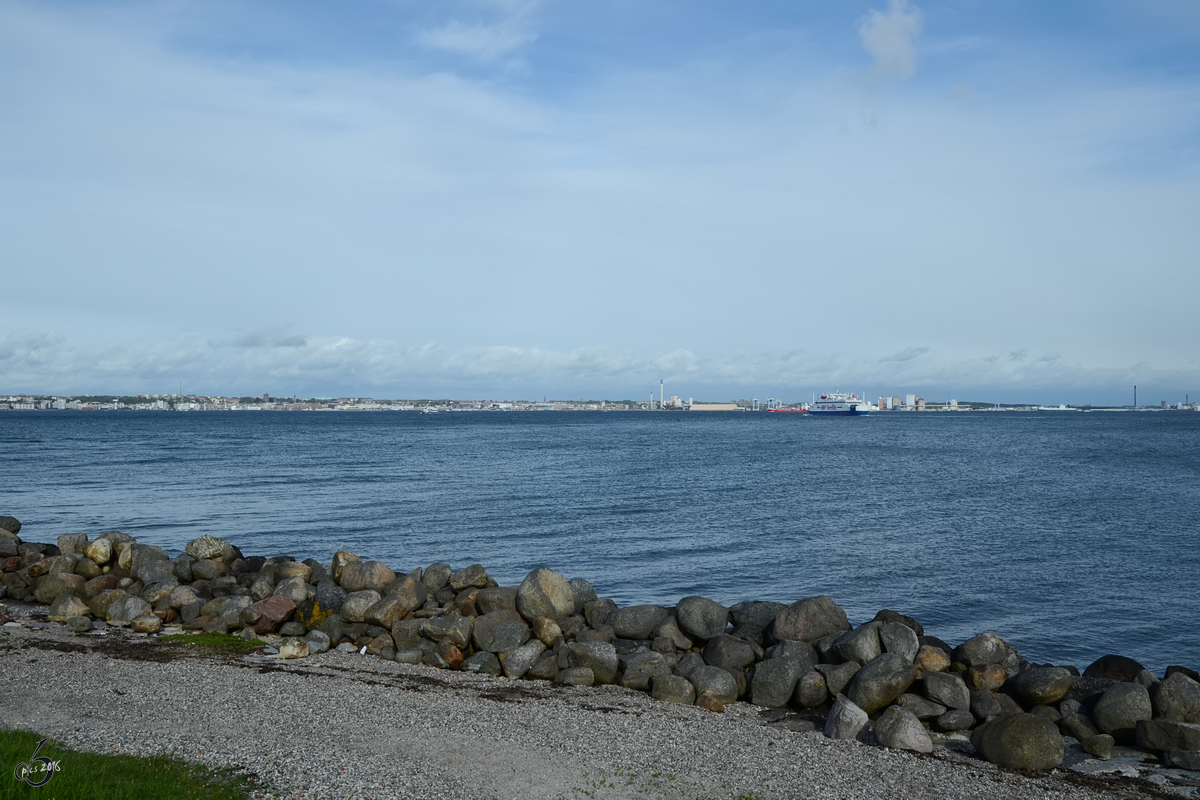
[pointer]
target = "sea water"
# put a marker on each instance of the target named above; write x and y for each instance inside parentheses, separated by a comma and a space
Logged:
(1071, 535)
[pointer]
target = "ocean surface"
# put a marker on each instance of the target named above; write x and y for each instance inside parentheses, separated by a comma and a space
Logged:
(1071, 535)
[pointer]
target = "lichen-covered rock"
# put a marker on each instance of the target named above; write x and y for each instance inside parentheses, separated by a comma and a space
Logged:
(517, 662)
(947, 689)
(774, 681)
(65, 606)
(881, 681)
(728, 651)
(1019, 741)
(1178, 699)
(209, 547)
(125, 608)
(354, 609)
(978, 651)
(145, 623)
(1040, 685)
(845, 720)
(673, 689)
(641, 668)
(294, 648)
(500, 631)
(472, 577)
(811, 690)
(1119, 709)
(545, 593)
(601, 657)
(714, 682)
(899, 729)
(809, 620)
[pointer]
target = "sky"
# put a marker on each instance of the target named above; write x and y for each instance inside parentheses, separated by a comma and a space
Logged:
(994, 201)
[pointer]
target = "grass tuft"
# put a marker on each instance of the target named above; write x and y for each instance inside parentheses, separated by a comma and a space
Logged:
(114, 777)
(213, 641)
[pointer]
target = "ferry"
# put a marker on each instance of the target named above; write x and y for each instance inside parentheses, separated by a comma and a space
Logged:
(840, 404)
(801, 410)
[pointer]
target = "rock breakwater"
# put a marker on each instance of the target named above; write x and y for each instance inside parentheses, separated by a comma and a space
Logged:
(883, 681)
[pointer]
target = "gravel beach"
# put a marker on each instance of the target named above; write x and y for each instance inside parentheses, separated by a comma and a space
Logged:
(344, 725)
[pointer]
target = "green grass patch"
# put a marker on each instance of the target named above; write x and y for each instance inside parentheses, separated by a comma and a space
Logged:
(119, 777)
(213, 641)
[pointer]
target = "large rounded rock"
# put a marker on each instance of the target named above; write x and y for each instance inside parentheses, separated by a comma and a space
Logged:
(143, 554)
(209, 547)
(900, 639)
(1040, 686)
(496, 598)
(408, 590)
(881, 681)
(838, 676)
(456, 630)
(673, 689)
(10, 524)
(125, 608)
(601, 657)
(500, 631)
(810, 620)
(728, 652)
(546, 593)
(100, 551)
(72, 543)
(1019, 741)
(354, 609)
(714, 682)
(340, 559)
(51, 586)
(517, 662)
(65, 606)
(472, 577)
(701, 618)
(268, 614)
(1113, 668)
(641, 668)
(360, 575)
(637, 622)
(982, 650)
(293, 569)
(845, 720)
(811, 690)
(156, 571)
(774, 681)
(1161, 735)
(1178, 699)
(436, 576)
(583, 592)
(947, 689)
(294, 589)
(385, 612)
(1118, 710)
(899, 729)
(861, 644)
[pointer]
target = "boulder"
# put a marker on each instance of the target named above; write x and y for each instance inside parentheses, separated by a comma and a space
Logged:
(456, 630)
(330, 596)
(923, 708)
(208, 569)
(294, 589)
(1019, 741)
(845, 720)
(358, 576)
(500, 631)
(774, 681)
(1113, 668)
(596, 612)
(183, 568)
(145, 623)
(1118, 710)
(672, 689)
(209, 547)
(293, 569)
(899, 729)
(100, 604)
(979, 651)
(1040, 685)
(10, 524)
(124, 608)
(1078, 726)
(811, 690)
(641, 668)
(714, 682)
(601, 657)
(985, 677)
(583, 592)
(411, 593)
(700, 618)
(1099, 746)
(889, 616)
(384, 612)
(496, 598)
(759, 613)
(1161, 735)
(546, 593)
(899, 639)
(483, 662)
(838, 676)
(948, 690)
(340, 559)
(72, 543)
(143, 554)
(354, 609)
(801, 652)
(861, 644)
(728, 652)
(51, 586)
(318, 642)
(576, 676)
(955, 719)
(65, 606)
(268, 614)
(669, 630)
(1182, 759)
(436, 576)
(1178, 700)
(157, 571)
(809, 620)
(881, 681)
(637, 622)
(88, 569)
(406, 634)
(79, 624)
(294, 648)
(474, 576)
(545, 630)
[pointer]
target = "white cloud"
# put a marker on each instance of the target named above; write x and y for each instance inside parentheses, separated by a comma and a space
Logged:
(478, 40)
(891, 38)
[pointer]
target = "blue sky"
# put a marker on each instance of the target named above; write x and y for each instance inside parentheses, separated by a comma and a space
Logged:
(993, 201)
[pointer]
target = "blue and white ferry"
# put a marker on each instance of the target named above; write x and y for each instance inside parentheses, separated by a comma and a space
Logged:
(840, 404)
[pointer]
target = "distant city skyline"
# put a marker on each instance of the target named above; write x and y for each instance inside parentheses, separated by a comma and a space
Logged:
(527, 198)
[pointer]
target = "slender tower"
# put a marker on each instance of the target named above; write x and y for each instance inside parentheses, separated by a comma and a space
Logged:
(660, 394)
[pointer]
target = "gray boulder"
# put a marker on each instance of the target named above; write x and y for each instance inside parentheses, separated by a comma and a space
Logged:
(899, 729)
(436, 576)
(294, 589)
(947, 689)
(125, 609)
(811, 690)
(982, 650)
(774, 681)
(500, 631)
(142, 555)
(1113, 668)
(810, 620)
(700, 618)
(1100, 745)
(601, 657)
(209, 547)
(636, 622)
(1078, 726)
(406, 634)
(728, 652)
(1040, 685)
(921, 707)
(384, 612)
(1019, 741)
(496, 598)
(1118, 710)
(359, 576)
(1182, 759)
(597, 612)
(576, 676)
(641, 668)
(54, 584)
(838, 676)
(801, 652)
(354, 609)
(881, 681)
(672, 689)
(79, 624)
(65, 606)
(759, 613)
(330, 596)
(1178, 700)
(670, 631)
(955, 720)
(861, 644)
(714, 682)
(517, 662)
(472, 577)
(546, 593)
(11, 525)
(899, 639)
(1161, 735)
(318, 642)
(845, 720)
(72, 543)
(456, 630)
(583, 592)
(484, 662)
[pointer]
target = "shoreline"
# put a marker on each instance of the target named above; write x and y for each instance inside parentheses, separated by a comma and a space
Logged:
(809, 674)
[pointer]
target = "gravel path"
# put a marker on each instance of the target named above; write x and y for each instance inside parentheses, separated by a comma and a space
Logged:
(339, 725)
